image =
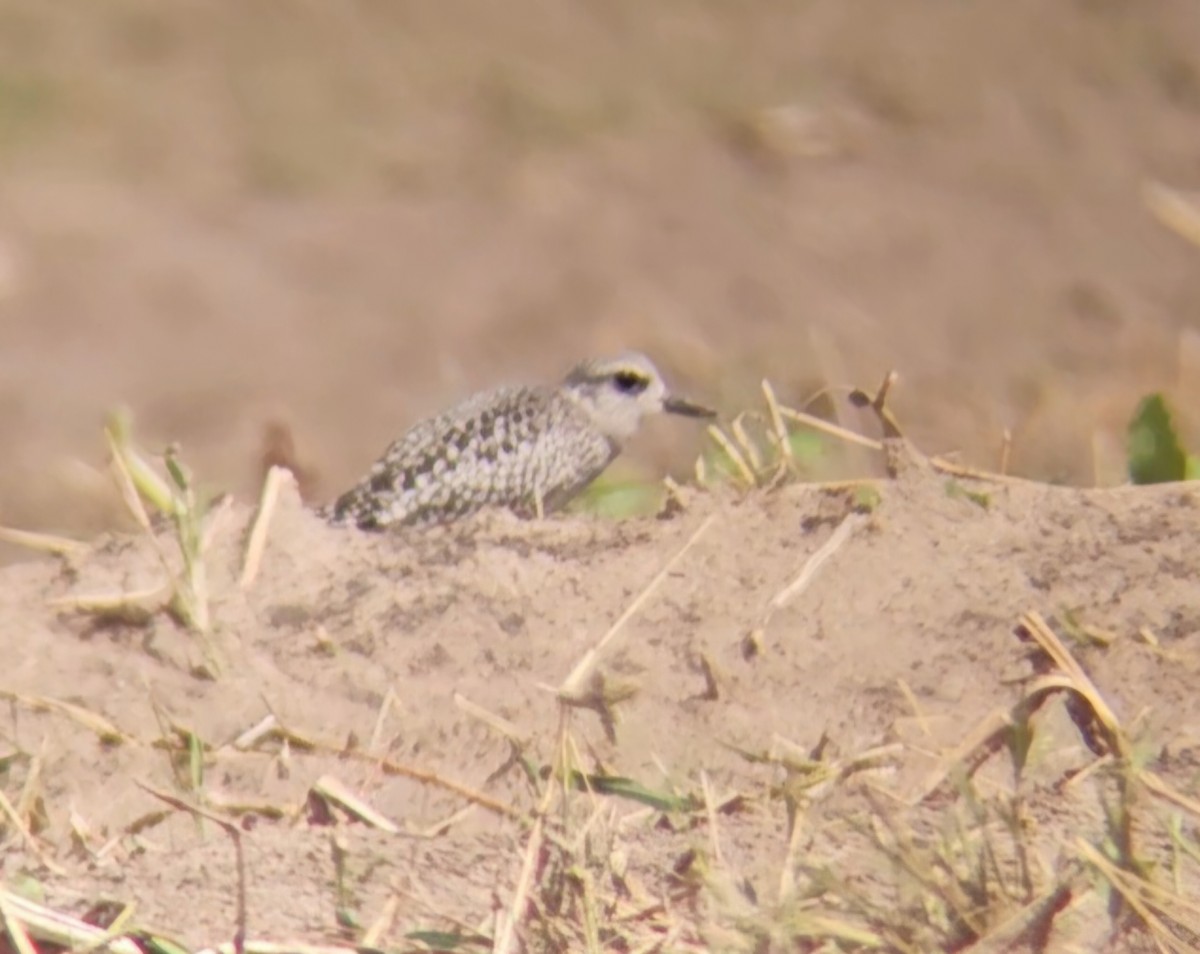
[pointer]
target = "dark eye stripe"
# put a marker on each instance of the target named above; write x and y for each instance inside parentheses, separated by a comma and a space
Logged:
(630, 382)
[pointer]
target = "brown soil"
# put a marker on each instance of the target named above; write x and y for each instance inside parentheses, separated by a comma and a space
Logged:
(323, 223)
(905, 635)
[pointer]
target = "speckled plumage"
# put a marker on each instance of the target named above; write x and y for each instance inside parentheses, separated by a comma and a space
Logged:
(530, 449)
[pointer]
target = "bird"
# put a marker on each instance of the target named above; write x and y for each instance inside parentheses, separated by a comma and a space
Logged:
(530, 449)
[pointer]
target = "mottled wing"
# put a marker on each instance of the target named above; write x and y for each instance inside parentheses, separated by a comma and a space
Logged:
(495, 449)
(572, 454)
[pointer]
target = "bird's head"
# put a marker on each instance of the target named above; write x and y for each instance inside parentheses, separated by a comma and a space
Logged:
(617, 393)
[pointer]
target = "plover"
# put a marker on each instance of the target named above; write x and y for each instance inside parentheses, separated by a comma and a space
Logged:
(530, 449)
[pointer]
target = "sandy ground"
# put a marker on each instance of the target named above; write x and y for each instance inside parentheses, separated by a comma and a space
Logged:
(366, 644)
(230, 217)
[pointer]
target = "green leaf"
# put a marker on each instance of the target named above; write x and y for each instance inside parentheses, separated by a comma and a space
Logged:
(809, 448)
(152, 487)
(957, 491)
(1155, 455)
(621, 500)
(867, 498)
(157, 944)
(634, 791)
(175, 469)
(28, 887)
(195, 761)
(447, 940)
(8, 761)
(347, 918)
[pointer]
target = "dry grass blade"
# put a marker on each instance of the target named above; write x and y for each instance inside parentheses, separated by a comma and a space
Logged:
(31, 791)
(836, 541)
(573, 685)
(1187, 910)
(1146, 900)
(1160, 788)
(1005, 452)
(1174, 210)
(108, 733)
(382, 924)
(15, 930)
(276, 947)
(135, 608)
(193, 537)
(833, 430)
(506, 935)
(744, 470)
(269, 727)
(116, 929)
(250, 806)
(750, 453)
(778, 427)
(257, 541)
(388, 767)
(796, 832)
(498, 724)
(833, 929)
(710, 813)
(43, 542)
(940, 464)
(376, 743)
(215, 521)
(1045, 637)
(235, 835)
(812, 565)
(877, 402)
(1032, 920)
(335, 791)
(818, 774)
(986, 737)
(256, 733)
(61, 929)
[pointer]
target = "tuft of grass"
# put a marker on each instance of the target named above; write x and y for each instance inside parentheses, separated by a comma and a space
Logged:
(764, 448)
(961, 865)
(175, 498)
(183, 591)
(572, 890)
(757, 448)
(761, 448)
(779, 443)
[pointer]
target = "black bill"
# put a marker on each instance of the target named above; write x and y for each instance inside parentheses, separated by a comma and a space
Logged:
(674, 405)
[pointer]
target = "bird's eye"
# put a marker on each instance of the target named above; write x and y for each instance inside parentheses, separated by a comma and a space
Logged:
(630, 382)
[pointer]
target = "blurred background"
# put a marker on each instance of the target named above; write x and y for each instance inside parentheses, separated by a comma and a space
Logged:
(326, 220)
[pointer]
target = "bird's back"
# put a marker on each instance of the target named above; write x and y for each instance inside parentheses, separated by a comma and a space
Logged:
(516, 447)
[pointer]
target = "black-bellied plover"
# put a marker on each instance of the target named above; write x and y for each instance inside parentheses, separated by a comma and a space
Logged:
(529, 449)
